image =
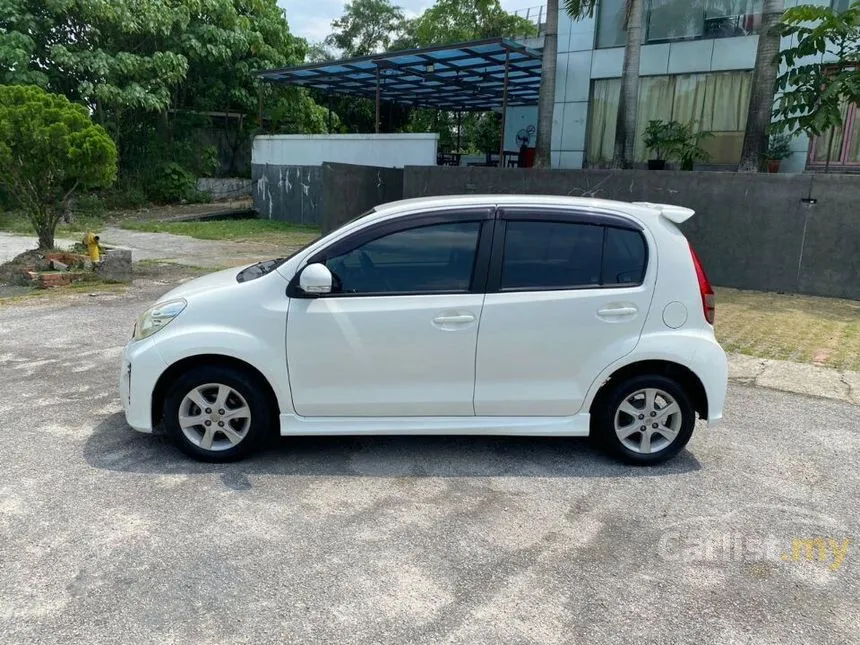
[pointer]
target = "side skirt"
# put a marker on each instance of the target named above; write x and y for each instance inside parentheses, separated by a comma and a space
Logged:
(575, 426)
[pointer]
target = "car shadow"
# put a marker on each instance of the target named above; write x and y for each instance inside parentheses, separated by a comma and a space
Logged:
(114, 446)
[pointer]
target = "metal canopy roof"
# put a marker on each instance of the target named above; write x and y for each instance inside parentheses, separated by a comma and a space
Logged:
(464, 76)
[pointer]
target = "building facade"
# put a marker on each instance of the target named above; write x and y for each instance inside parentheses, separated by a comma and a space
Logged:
(696, 66)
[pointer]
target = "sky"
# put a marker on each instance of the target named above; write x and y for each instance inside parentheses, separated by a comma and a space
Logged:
(311, 19)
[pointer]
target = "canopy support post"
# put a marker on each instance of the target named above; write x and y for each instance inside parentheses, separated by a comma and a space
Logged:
(260, 104)
(377, 98)
(504, 110)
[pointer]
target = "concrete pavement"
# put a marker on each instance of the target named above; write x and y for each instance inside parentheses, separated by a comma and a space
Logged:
(109, 536)
(799, 378)
(180, 249)
(12, 245)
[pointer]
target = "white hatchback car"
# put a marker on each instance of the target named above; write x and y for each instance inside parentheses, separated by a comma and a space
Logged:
(499, 315)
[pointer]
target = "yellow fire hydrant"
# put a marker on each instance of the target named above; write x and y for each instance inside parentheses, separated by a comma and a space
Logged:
(93, 250)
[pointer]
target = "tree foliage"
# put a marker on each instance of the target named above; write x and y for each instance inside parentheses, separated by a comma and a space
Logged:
(153, 72)
(366, 27)
(455, 21)
(579, 9)
(49, 148)
(134, 55)
(812, 92)
(370, 26)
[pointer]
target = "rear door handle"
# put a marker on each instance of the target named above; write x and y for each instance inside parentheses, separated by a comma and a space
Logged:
(615, 312)
(454, 319)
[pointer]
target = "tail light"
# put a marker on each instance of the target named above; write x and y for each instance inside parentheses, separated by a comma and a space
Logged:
(709, 300)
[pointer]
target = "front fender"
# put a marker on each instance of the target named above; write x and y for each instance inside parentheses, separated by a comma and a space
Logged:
(266, 355)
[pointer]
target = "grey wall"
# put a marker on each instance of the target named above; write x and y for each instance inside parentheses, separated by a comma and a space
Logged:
(753, 231)
(287, 193)
(234, 154)
(324, 196)
(349, 190)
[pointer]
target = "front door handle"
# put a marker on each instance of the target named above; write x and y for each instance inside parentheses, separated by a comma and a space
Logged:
(454, 319)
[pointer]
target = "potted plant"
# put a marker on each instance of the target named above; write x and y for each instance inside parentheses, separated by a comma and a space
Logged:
(778, 148)
(688, 146)
(660, 139)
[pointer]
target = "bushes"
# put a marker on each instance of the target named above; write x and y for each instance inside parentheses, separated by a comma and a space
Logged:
(171, 183)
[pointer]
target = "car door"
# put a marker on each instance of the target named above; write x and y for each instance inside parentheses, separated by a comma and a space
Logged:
(398, 335)
(568, 293)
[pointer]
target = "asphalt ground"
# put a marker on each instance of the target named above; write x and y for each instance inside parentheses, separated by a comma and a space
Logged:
(110, 536)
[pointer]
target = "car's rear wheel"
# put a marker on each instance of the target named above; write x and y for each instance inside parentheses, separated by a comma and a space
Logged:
(644, 419)
(217, 413)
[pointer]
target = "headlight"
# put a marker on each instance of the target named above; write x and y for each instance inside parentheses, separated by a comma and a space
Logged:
(157, 317)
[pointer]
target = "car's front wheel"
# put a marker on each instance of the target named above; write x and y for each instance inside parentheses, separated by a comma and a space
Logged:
(644, 419)
(217, 413)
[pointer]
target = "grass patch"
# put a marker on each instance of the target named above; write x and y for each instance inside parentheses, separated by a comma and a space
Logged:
(254, 230)
(804, 329)
(16, 222)
(87, 286)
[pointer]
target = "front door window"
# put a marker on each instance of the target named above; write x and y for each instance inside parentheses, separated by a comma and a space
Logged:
(429, 259)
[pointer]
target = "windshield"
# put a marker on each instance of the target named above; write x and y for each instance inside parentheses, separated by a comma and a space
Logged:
(260, 269)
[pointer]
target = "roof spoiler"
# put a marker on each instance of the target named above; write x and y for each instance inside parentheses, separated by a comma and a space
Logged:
(676, 214)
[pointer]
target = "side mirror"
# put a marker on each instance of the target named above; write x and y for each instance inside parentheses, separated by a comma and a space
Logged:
(315, 280)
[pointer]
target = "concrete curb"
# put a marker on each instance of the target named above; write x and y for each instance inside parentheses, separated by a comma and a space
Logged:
(798, 378)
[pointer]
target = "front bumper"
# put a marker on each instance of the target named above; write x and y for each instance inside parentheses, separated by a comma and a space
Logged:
(141, 367)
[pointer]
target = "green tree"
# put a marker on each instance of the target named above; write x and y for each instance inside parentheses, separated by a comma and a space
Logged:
(149, 70)
(49, 148)
(454, 21)
(628, 103)
(366, 27)
(102, 53)
(763, 88)
(813, 93)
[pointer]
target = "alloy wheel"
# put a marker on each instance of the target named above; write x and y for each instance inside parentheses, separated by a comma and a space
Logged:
(214, 417)
(648, 421)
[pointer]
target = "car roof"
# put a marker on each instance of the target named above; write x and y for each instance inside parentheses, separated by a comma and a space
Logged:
(640, 210)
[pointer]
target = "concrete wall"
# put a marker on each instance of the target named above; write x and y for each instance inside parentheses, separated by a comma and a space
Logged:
(349, 190)
(753, 231)
(288, 193)
(324, 196)
(382, 150)
(225, 187)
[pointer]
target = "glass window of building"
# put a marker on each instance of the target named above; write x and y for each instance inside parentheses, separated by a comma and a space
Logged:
(673, 20)
(841, 145)
(668, 20)
(610, 23)
(717, 102)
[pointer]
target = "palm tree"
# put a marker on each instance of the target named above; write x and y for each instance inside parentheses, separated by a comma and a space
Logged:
(625, 129)
(546, 98)
(763, 87)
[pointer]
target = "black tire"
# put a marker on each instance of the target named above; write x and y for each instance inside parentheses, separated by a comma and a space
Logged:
(252, 430)
(604, 415)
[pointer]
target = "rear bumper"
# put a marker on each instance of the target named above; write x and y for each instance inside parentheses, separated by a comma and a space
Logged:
(711, 365)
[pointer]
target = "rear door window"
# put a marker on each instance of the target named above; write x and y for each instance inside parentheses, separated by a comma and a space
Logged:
(625, 257)
(547, 255)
